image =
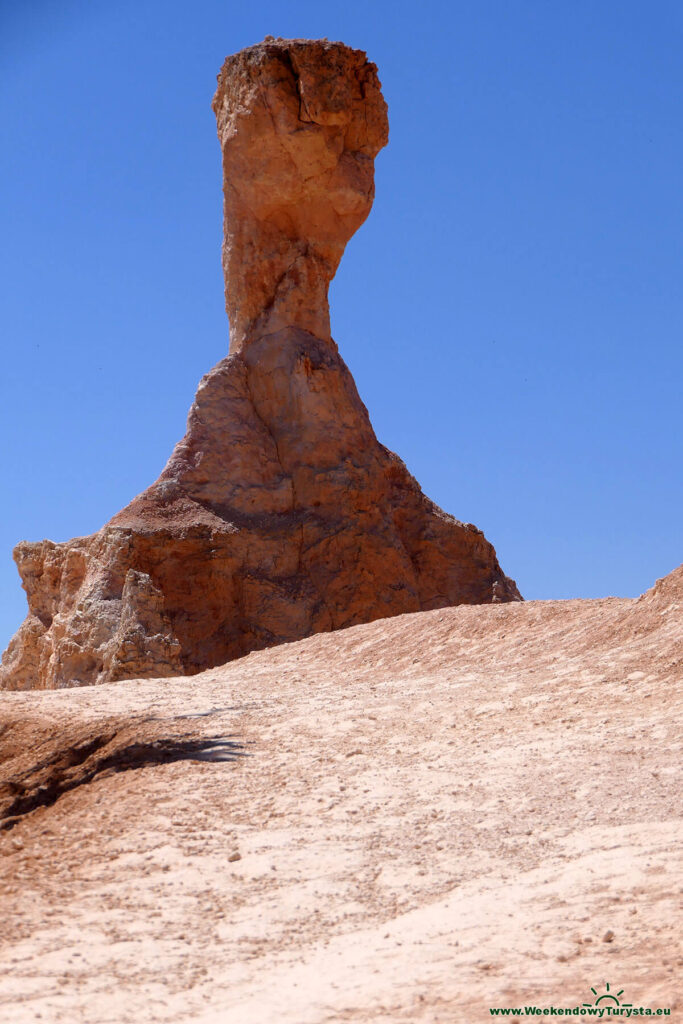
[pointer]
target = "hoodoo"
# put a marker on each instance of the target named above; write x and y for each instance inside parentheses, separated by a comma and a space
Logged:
(279, 514)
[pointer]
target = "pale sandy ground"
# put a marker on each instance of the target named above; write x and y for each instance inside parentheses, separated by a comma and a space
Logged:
(436, 814)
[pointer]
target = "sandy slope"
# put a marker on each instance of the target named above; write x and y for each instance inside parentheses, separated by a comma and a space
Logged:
(434, 814)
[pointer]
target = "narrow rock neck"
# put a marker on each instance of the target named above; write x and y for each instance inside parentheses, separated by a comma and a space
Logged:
(274, 281)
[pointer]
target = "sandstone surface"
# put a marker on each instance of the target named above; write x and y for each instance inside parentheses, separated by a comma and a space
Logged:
(279, 514)
(412, 820)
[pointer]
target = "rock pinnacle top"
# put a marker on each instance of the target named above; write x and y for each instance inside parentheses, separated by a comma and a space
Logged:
(300, 123)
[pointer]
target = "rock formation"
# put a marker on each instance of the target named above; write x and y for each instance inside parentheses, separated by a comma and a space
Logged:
(279, 514)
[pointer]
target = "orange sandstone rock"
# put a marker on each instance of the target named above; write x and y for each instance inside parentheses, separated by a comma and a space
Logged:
(300, 124)
(279, 514)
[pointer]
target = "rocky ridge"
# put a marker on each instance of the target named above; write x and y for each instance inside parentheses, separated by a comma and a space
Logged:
(279, 514)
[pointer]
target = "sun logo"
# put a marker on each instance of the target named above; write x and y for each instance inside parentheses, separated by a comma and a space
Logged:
(608, 996)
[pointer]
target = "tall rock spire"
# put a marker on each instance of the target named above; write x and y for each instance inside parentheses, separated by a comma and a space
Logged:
(279, 514)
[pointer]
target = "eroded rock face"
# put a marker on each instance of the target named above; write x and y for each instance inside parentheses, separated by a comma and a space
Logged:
(279, 514)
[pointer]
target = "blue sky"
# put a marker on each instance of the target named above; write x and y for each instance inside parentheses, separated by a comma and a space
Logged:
(511, 310)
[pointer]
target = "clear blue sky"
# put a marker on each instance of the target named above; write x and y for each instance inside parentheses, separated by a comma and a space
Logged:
(512, 310)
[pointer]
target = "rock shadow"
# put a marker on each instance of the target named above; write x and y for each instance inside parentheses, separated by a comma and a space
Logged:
(68, 765)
